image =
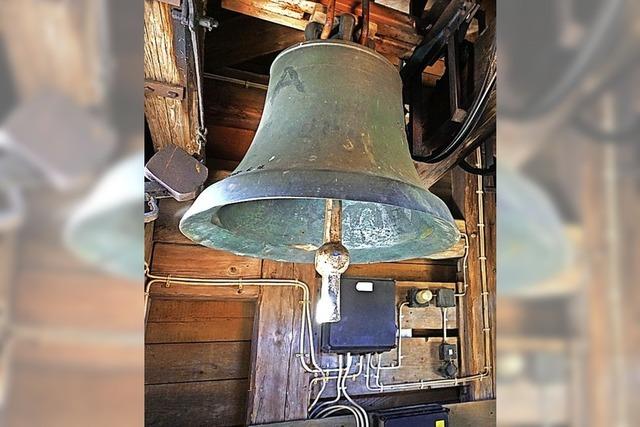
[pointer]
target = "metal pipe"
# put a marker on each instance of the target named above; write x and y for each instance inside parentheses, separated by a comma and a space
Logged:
(245, 83)
(328, 23)
(364, 32)
(201, 132)
(251, 282)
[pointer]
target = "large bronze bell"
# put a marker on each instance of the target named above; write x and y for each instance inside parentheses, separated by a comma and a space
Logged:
(332, 128)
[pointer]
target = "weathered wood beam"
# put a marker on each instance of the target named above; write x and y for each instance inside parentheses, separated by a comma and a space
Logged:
(470, 308)
(395, 36)
(430, 173)
(171, 121)
(244, 38)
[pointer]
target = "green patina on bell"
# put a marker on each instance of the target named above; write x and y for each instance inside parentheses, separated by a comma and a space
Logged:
(332, 128)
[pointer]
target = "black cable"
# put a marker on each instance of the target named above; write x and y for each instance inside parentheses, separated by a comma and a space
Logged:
(470, 123)
(491, 170)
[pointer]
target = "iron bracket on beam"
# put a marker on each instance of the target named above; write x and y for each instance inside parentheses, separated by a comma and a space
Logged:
(193, 20)
(165, 90)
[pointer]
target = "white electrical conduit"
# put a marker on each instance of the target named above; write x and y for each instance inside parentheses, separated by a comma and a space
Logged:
(404, 304)
(362, 419)
(444, 324)
(329, 407)
(422, 384)
(364, 416)
(358, 411)
(464, 265)
(325, 381)
(483, 266)
(399, 356)
(168, 280)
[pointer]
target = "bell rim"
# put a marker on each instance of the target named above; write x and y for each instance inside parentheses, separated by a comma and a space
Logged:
(343, 43)
(227, 192)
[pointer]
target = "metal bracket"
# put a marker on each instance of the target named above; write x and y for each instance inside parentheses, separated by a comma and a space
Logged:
(192, 20)
(151, 203)
(165, 90)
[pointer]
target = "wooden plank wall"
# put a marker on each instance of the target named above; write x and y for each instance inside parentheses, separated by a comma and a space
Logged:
(192, 319)
(197, 356)
(198, 338)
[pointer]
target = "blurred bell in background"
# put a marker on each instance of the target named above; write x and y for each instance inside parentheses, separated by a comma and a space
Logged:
(568, 193)
(71, 237)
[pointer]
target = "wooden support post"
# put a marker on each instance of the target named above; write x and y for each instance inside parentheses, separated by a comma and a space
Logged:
(470, 313)
(278, 387)
(168, 60)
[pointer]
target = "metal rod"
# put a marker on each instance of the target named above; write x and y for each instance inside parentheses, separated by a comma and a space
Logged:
(332, 220)
(328, 23)
(245, 83)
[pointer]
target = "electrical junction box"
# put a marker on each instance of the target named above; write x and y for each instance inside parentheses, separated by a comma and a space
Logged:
(367, 318)
(430, 415)
(448, 352)
(446, 298)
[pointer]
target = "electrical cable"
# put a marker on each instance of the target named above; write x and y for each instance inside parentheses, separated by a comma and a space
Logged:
(475, 113)
(363, 413)
(465, 166)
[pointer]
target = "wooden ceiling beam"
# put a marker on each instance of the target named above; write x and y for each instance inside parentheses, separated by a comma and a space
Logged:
(393, 32)
(430, 173)
(245, 38)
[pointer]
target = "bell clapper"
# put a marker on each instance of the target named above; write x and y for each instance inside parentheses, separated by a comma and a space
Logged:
(332, 259)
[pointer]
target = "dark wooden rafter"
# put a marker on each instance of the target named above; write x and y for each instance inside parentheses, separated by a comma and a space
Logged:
(430, 173)
(243, 38)
(393, 32)
(423, 142)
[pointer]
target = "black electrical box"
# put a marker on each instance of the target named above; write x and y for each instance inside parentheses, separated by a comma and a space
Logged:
(446, 298)
(431, 415)
(367, 318)
(448, 352)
